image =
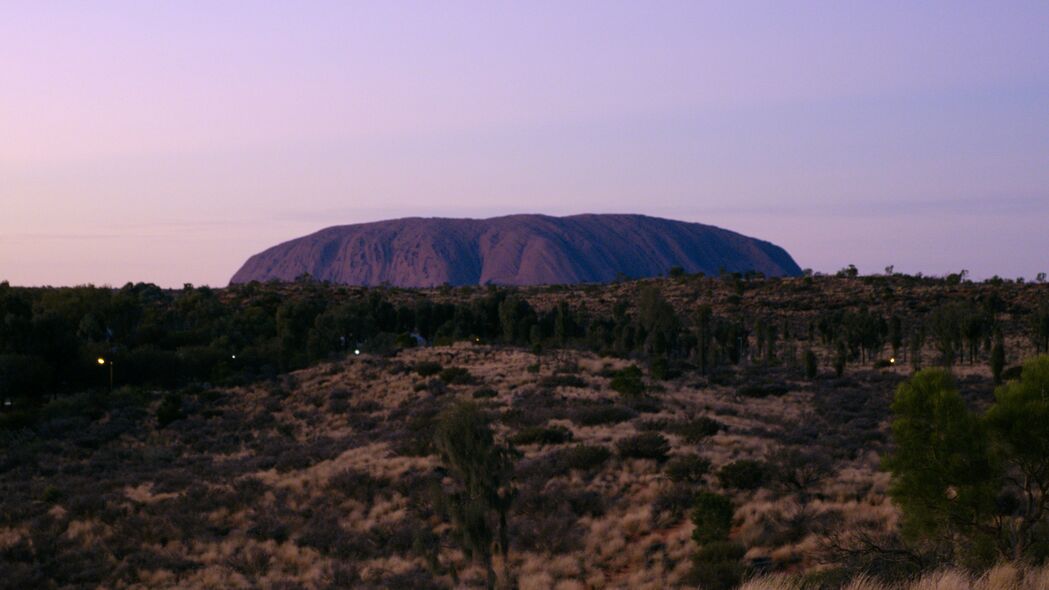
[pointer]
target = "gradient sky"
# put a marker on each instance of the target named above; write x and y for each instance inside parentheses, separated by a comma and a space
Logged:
(168, 141)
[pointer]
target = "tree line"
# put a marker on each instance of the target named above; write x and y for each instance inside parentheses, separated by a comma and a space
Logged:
(51, 338)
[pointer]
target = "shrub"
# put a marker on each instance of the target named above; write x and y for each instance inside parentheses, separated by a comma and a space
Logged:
(268, 526)
(628, 381)
(647, 445)
(687, 469)
(717, 566)
(594, 416)
(811, 364)
(433, 386)
(712, 515)
(538, 435)
(762, 390)
(644, 404)
(1012, 373)
(671, 505)
(563, 381)
(693, 431)
(357, 484)
(583, 457)
(744, 474)
(659, 369)
(485, 393)
(428, 368)
(169, 410)
(456, 376)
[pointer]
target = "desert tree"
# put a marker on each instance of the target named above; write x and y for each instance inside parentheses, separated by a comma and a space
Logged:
(943, 476)
(978, 484)
(704, 327)
(946, 325)
(482, 471)
(1018, 423)
(658, 322)
(812, 367)
(998, 357)
(1040, 327)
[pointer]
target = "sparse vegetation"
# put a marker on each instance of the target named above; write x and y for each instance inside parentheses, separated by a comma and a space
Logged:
(299, 465)
(647, 445)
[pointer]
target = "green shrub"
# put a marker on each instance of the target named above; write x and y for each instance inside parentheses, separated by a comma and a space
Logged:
(51, 494)
(563, 381)
(718, 566)
(583, 457)
(644, 404)
(712, 514)
(1012, 373)
(456, 376)
(169, 410)
(744, 474)
(598, 415)
(659, 368)
(538, 435)
(760, 390)
(628, 381)
(693, 431)
(647, 445)
(428, 368)
(687, 469)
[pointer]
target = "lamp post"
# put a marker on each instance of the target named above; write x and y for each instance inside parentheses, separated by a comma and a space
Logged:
(102, 361)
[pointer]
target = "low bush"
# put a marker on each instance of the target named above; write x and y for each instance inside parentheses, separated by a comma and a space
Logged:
(357, 484)
(671, 505)
(647, 445)
(169, 410)
(456, 376)
(712, 514)
(694, 431)
(428, 368)
(644, 404)
(563, 381)
(762, 390)
(718, 566)
(687, 469)
(583, 457)
(485, 393)
(598, 415)
(539, 435)
(628, 381)
(744, 474)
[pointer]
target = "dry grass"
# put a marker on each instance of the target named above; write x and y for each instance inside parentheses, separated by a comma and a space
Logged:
(628, 543)
(1002, 577)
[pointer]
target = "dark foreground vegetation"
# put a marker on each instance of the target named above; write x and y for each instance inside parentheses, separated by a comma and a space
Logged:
(688, 431)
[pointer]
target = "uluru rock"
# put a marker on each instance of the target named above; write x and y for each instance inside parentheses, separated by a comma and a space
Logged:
(513, 250)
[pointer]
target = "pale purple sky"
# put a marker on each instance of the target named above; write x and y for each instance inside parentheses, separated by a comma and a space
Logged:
(168, 141)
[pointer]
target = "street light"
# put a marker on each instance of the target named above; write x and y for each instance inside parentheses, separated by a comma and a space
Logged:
(102, 362)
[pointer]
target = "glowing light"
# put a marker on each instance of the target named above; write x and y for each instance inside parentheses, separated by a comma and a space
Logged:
(892, 361)
(234, 357)
(356, 351)
(101, 361)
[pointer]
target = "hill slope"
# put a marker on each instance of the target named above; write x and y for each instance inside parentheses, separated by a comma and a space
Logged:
(513, 250)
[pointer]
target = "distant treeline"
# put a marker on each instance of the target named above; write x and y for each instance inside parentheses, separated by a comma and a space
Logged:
(51, 338)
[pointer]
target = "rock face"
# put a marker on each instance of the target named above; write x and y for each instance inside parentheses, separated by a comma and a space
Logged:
(513, 250)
